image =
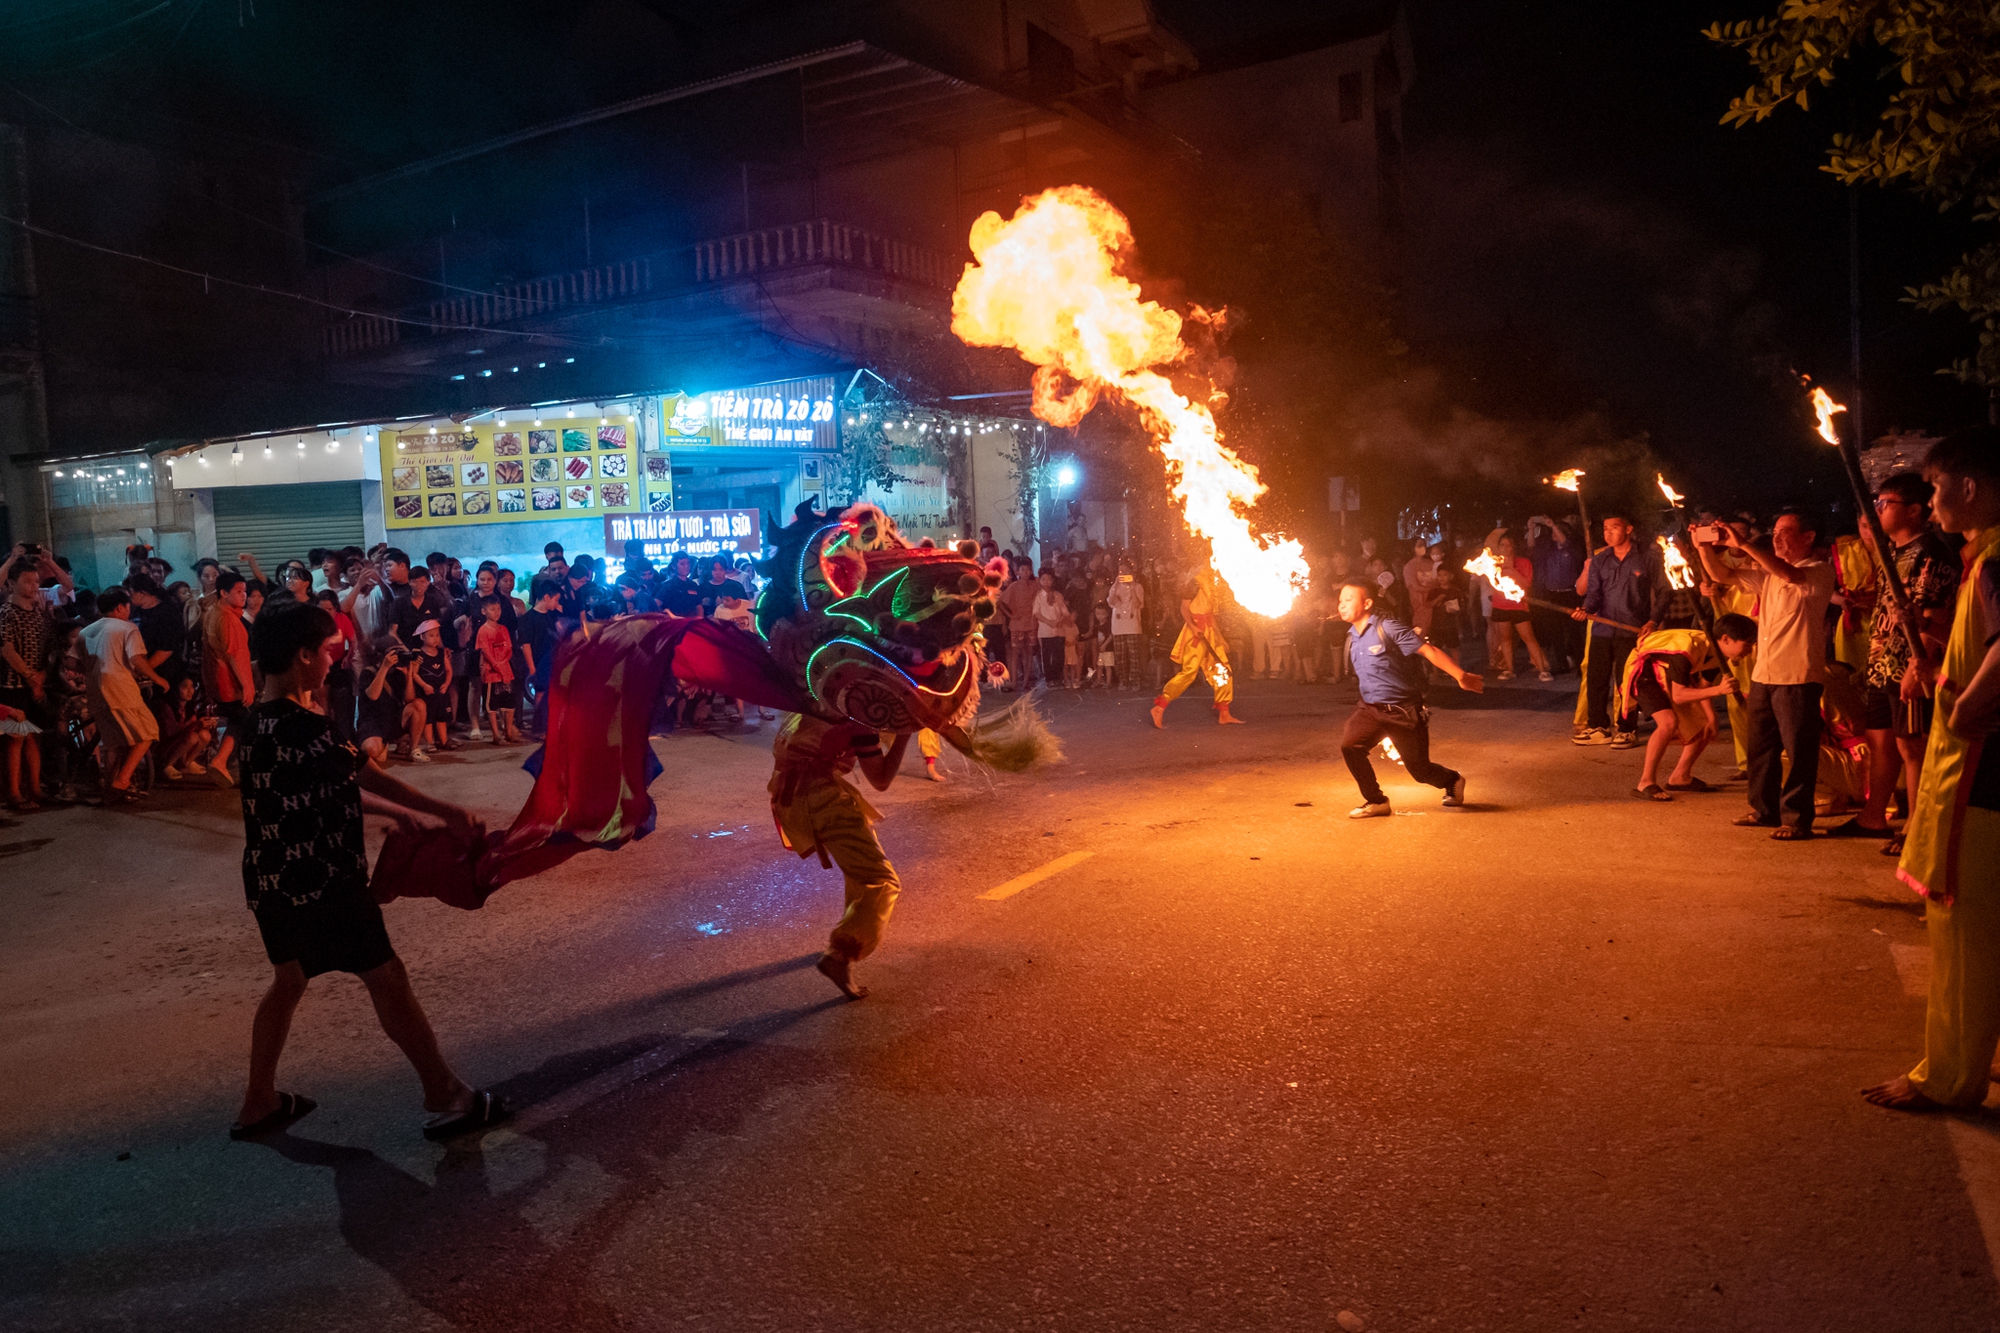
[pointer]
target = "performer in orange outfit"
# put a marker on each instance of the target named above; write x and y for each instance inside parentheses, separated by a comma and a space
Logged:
(1199, 651)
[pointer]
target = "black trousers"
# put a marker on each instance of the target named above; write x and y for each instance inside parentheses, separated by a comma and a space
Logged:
(1607, 667)
(1562, 638)
(1408, 729)
(1052, 661)
(1784, 719)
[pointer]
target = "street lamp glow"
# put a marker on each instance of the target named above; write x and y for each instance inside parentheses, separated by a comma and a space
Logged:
(1066, 475)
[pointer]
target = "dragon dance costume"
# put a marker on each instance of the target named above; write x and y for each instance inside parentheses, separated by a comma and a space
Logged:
(860, 635)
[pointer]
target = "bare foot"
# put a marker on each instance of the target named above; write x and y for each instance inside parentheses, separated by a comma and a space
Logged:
(1223, 719)
(1899, 1095)
(931, 772)
(1160, 716)
(838, 970)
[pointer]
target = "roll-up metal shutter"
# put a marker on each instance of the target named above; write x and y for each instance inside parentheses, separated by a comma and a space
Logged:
(279, 523)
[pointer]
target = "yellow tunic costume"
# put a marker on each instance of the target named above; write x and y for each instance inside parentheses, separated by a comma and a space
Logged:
(1691, 719)
(1951, 855)
(1732, 600)
(818, 810)
(1200, 650)
(1860, 585)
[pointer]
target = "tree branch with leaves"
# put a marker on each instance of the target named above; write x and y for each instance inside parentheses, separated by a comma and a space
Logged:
(1938, 132)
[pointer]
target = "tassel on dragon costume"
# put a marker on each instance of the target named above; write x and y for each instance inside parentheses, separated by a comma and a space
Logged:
(861, 635)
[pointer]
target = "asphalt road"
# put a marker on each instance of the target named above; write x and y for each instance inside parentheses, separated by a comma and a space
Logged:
(1562, 1059)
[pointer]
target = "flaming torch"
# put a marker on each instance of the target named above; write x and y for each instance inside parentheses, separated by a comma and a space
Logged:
(1680, 574)
(1486, 565)
(1674, 497)
(1824, 409)
(1390, 752)
(1571, 479)
(1047, 283)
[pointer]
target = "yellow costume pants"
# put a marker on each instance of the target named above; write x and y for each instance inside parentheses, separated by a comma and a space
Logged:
(829, 817)
(928, 743)
(1962, 1021)
(1739, 715)
(1216, 673)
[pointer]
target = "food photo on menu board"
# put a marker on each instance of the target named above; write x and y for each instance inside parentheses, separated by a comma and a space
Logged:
(659, 469)
(615, 494)
(508, 472)
(611, 465)
(548, 497)
(544, 469)
(660, 502)
(475, 502)
(507, 444)
(576, 469)
(575, 441)
(541, 441)
(513, 501)
(405, 479)
(611, 437)
(438, 476)
(409, 506)
(444, 506)
(578, 497)
(472, 474)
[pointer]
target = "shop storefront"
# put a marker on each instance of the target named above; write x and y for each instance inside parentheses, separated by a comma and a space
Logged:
(501, 483)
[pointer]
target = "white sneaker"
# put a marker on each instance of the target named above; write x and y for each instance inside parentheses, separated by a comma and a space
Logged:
(194, 768)
(1371, 810)
(418, 756)
(173, 774)
(474, 734)
(1456, 796)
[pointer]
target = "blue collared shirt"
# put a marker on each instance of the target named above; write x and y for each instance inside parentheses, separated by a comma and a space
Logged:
(1623, 590)
(1386, 657)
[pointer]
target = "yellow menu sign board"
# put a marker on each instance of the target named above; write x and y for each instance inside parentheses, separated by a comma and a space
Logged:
(569, 468)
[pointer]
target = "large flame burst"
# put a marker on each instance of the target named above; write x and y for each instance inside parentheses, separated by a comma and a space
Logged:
(1047, 284)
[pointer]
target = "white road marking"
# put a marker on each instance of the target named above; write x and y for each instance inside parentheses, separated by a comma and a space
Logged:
(1035, 876)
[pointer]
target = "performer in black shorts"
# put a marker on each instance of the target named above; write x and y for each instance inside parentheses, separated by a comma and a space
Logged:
(1383, 654)
(305, 875)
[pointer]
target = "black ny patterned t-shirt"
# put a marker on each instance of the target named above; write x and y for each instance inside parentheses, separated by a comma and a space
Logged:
(301, 809)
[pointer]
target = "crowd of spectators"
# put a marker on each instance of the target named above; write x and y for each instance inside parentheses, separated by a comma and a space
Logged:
(159, 668)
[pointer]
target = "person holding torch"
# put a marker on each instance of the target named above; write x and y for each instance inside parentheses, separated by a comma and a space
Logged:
(1383, 654)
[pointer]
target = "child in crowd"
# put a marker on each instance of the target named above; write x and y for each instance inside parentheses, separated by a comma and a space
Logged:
(382, 708)
(430, 685)
(185, 731)
(496, 671)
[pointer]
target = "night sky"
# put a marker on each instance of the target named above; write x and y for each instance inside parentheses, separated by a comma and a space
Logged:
(1587, 244)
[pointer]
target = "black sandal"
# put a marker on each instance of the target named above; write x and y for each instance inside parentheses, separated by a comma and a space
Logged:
(1854, 828)
(1692, 784)
(1651, 792)
(292, 1107)
(487, 1110)
(1894, 847)
(1791, 833)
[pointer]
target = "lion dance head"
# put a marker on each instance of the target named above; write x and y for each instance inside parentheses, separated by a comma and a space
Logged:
(877, 631)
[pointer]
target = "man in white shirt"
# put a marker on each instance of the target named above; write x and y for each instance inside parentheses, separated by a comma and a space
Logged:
(1793, 591)
(125, 726)
(1127, 600)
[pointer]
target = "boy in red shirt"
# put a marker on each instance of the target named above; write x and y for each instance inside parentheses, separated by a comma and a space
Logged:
(496, 671)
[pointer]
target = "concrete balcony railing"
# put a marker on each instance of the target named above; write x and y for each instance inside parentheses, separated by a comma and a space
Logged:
(725, 259)
(820, 242)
